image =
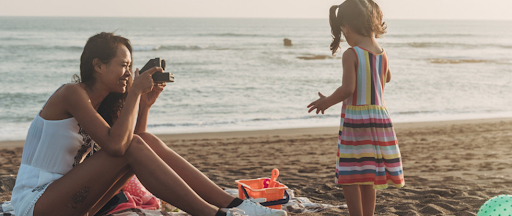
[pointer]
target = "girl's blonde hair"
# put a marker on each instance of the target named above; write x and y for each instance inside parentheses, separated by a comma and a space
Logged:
(362, 16)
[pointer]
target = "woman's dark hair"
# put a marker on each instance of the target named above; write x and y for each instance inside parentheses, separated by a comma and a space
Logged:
(362, 16)
(103, 46)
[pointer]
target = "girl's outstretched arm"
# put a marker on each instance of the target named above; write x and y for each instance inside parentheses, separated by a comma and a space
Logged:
(345, 90)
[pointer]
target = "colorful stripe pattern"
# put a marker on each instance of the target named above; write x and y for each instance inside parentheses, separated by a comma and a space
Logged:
(368, 150)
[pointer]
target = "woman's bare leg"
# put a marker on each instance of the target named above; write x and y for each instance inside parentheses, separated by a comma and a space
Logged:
(111, 193)
(368, 197)
(200, 183)
(81, 188)
(352, 195)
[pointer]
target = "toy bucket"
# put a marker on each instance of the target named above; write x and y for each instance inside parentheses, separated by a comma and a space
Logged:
(267, 191)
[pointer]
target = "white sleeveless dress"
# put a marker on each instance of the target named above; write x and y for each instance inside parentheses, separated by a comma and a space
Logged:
(52, 148)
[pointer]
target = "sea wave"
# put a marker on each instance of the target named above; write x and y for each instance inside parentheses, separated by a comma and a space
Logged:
(178, 47)
(317, 57)
(232, 35)
(146, 48)
(447, 45)
(466, 61)
(185, 47)
(429, 35)
(12, 98)
(12, 118)
(44, 47)
(71, 48)
(415, 112)
(12, 38)
(240, 121)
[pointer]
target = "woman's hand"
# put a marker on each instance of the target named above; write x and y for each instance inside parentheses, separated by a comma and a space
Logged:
(150, 97)
(143, 83)
(320, 105)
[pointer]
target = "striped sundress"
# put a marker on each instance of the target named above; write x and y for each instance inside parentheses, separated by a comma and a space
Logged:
(368, 152)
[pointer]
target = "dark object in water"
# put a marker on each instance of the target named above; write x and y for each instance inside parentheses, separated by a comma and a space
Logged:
(287, 42)
(315, 57)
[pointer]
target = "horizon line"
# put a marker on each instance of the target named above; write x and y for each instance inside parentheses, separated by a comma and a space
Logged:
(66, 16)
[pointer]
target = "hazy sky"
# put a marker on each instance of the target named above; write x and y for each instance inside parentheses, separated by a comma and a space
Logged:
(393, 9)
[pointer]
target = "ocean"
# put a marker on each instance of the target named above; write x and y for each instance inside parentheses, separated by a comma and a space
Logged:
(236, 74)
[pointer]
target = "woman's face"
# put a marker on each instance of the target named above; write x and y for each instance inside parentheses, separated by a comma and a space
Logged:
(117, 72)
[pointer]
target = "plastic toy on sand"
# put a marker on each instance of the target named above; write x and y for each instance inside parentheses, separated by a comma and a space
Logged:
(497, 206)
(267, 191)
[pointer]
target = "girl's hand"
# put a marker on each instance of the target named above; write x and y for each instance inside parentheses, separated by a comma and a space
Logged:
(143, 83)
(320, 105)
(149, 98)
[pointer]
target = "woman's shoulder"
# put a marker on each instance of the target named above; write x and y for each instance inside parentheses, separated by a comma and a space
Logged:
(70, 92)
(66, 94)
(71, 88)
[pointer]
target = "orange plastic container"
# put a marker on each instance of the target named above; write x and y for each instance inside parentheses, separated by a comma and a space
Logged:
(267, 188)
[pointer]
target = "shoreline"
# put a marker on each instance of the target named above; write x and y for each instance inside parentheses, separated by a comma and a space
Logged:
(321, 130)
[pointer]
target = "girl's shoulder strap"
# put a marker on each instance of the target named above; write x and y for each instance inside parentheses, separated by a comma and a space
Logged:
(354, 47)
(357, 50)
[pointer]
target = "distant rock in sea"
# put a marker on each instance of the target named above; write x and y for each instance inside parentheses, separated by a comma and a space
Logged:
(287, 42)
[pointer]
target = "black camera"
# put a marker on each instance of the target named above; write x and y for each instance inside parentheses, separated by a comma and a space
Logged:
(165, 76)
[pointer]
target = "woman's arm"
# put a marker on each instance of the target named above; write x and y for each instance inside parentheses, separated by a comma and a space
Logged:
(142, 120)
(147, 100)
(345, 90)
(111, 139)
(116, 139)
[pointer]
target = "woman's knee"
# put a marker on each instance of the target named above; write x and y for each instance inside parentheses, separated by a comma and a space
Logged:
(137, 140)
(146, 135)
(137, 144)
(152, 140)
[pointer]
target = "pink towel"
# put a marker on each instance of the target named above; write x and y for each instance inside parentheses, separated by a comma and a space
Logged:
(138, 197)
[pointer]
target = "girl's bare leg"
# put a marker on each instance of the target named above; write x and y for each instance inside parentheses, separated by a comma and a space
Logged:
(81, 188)
(368, 196)
(352, 195)
(200, 183)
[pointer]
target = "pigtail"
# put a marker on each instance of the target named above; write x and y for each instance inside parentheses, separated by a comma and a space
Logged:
(335, 29)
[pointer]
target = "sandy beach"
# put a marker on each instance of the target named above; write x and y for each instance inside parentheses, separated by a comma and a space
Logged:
(450, 167)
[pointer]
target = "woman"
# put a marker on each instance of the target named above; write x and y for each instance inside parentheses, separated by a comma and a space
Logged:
(104, 107)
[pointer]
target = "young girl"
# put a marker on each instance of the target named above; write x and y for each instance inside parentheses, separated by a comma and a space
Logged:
(368, 156)
(110, 108)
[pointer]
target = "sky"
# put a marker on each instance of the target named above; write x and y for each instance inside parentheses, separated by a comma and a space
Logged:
(393, 9)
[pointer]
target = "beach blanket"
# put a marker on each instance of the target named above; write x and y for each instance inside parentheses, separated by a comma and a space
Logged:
(138, 197)
(298, 204)
(6, 209)
(295, 205)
